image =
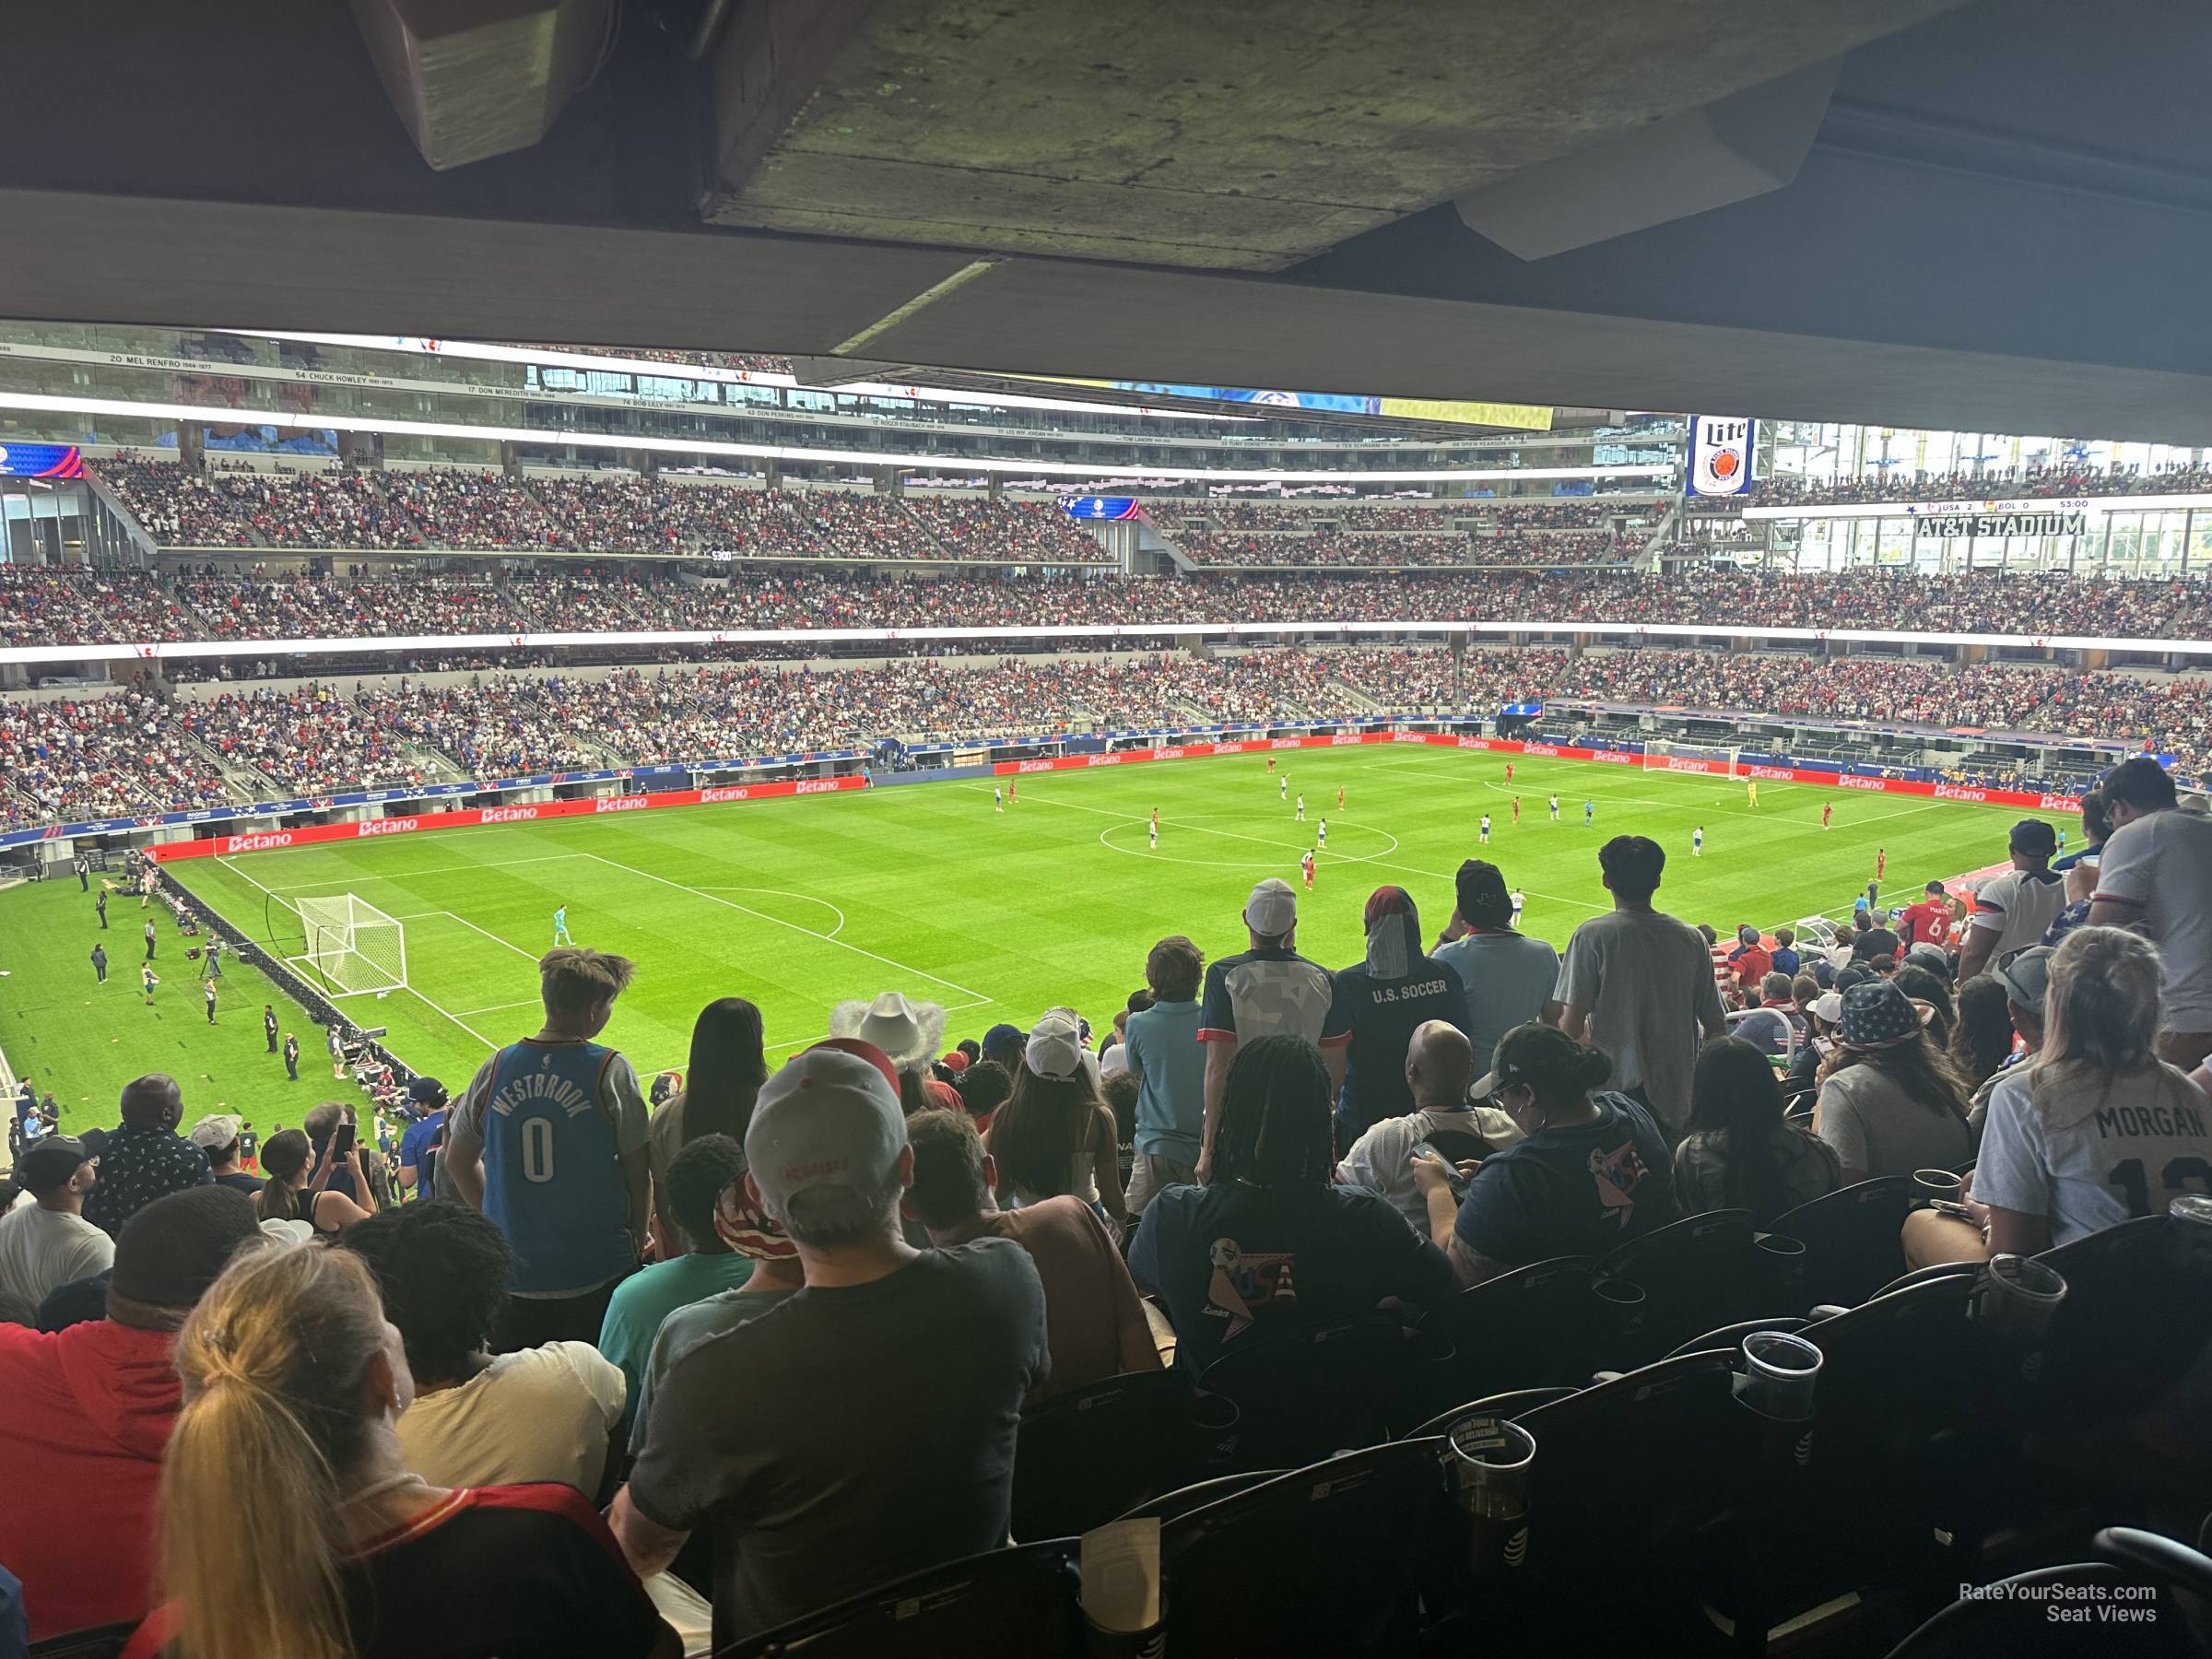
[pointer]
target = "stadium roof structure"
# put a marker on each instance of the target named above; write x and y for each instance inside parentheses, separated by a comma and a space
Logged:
(1987, 215)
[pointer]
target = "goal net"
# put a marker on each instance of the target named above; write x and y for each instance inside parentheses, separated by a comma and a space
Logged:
(352, 947)
(1696, 759)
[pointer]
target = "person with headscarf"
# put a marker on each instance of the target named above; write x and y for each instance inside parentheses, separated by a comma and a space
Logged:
(1382, 1000)
(1271, 1239)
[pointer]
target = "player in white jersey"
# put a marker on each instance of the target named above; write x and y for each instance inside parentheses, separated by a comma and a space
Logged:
(1696, 842)
(1282, 785)
(998, 798)
(1485, 827)
(1302, 807)
(1519, 900)
(1156, 827)
(1322, 838)
(1555, 808)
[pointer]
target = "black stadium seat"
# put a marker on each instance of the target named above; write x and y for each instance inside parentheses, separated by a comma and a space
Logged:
(1087, 1455)
(1329, 1559)
(2139, 1310)
(1184, 1499)
(1545, 1325)
(1701, 1273)
(1850, 1239)
(1509, 1405)
(1032, 1589)
(1306, 1394)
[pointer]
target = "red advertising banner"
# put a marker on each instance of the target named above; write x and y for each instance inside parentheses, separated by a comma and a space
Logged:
(309, 835)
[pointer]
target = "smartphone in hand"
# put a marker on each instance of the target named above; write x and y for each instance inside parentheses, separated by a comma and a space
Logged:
(341, 1143)
(1459, 1183)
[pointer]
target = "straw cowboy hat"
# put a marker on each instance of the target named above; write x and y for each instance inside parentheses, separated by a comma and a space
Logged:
(908, 1032)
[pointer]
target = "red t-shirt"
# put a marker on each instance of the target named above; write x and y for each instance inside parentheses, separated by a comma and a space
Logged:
(1752, 964)
(1927, 923)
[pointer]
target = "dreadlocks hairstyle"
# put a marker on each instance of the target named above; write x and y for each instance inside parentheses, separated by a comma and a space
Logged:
(1274, 1128)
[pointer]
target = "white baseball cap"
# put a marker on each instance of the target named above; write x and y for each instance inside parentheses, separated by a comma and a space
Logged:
(1056, 1048)
(1272, 911)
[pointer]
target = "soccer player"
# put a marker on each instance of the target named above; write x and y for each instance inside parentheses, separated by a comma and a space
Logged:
(1520, 901)
(1302, 807)
(1153, 835)
(146, 982)
(1696, 842)
(1555, 808)
(1014, 792)
(1589, 812)
(1509, 771)
(550, 1143)
(560, 924)
(2062, 843)
(1305, 866)
(1516, 810)
(1484, 836)
(1270, 763)
(1282, 783)
(2062, 840)
(1751, 793)
(1828, 809)
(998, 798)
(1881, 862)
(1322, 838)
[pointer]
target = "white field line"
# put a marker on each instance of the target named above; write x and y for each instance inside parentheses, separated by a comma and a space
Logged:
(976, 997)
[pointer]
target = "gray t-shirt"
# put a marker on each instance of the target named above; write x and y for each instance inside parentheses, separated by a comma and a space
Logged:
(43, 1249)
(1508, 978)
(1878, 1129)
(851, 1436)
(2162, 867)
(1647, 982)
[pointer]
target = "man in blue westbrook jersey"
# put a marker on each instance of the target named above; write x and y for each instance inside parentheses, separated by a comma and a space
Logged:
(550, 1142)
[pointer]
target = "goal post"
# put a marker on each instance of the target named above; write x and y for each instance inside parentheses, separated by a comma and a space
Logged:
(352, 949)
(1696, 759)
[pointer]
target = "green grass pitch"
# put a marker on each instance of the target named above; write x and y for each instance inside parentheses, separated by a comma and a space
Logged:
(801, 903)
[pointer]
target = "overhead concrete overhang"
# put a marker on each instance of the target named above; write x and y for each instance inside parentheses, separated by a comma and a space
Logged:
(2002, 222)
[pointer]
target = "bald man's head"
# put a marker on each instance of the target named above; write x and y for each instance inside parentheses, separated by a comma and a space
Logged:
(1440, 1063)
(153, 1101)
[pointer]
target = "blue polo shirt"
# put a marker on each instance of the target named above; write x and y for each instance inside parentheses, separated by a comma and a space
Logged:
(1169, 1063)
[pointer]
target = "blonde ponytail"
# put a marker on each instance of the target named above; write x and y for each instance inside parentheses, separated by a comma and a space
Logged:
(271, 1361)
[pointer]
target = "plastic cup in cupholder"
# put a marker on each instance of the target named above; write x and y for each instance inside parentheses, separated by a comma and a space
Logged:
(1779, 1375)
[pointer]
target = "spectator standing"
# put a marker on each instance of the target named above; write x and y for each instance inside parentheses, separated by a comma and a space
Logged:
(2096, 1129)
(724, 1073)
(2155, 876)
(1164, 1053)
(2012, 911)
(1592, 1171)
(1926, 922)
(298, 1185)
(1438, 1066)
(291, 1522)
(150, 935)
(145, 1157)
(550, 1142)
(1097, 1328)
(857, 1459)
(1265, 990)
(219, 1136)
(1890, 1101)
(1749, 963)
(423, 1141)
(1271, 1240)
(1741, 1153)
(705, 1168)
(1055, 1134)
(99, 965)
(47, 1242)
(1786, 959)
(911, 1033)
(89, 1411)
(1638, 984)
(1379, 1003)
(1507, 975)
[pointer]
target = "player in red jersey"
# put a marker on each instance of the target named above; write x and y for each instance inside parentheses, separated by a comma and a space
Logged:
(1827, 807)
(1516, 810)
(1340, 797)
(1305, 866)
(1881, 862)
(1509, 771)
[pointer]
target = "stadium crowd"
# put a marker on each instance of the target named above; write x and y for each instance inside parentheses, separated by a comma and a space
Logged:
(42, 605)
(286, 1390)
(261, 605)
(507, 724)
(1896, 484)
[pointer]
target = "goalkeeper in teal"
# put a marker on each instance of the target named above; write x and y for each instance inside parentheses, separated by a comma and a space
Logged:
(561, 925)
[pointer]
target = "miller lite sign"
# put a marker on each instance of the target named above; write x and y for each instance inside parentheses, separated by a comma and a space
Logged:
(1720, 454)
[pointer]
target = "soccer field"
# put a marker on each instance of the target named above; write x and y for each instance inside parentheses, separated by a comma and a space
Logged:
(803, 902)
